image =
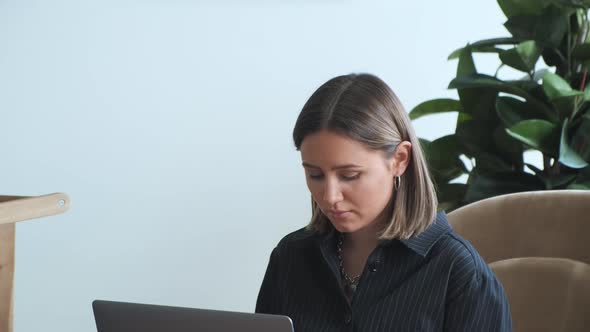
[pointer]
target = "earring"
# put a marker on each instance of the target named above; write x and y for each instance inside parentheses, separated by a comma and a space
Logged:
(398, 182)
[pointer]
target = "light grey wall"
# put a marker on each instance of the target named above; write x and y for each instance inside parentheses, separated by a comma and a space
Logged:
(169, 125)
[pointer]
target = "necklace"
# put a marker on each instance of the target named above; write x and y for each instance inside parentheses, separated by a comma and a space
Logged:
(350, 283)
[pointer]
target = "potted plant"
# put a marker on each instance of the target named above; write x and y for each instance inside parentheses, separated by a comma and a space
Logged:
(547, 109)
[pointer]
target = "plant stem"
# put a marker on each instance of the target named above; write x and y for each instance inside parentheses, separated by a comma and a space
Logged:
(556, 169)
(560, 55)
(498, 70)
(581, 39)
(569, 47)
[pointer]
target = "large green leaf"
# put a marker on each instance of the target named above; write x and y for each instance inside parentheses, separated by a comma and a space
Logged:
(485, 81)
(496, 41)
(581, 138)
(478, 102)
(553, 181)
(567, 106)
(446, 146)
(475, 129)
(475, 136)
(510, 8)
(548, 29)
(450, 195)
(583, 180)
(522, 26)
(567, 155)
(572, 3)
(482, 186)
(482, 49)
(466, 64)
(464, 117)
(424, 145)
(528, 85)
(511, 111)
(552, 26)
(435, 106)
(562, 96)
(491, 163)
(558, 181)
(537, 100)
(584, 174)
(485, 46)
(522, 7)
(522, 57)
(587, 93)
(579, 186)
(539, 134)
(556, 87)
(443, 159)
(508, 148)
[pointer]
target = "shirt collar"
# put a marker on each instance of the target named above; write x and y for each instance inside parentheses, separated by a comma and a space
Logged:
(423, 242)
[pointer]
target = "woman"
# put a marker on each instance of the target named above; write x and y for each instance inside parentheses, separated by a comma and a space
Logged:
(376, 255)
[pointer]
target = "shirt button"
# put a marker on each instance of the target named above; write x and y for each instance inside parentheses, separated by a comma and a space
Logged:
(348, 318)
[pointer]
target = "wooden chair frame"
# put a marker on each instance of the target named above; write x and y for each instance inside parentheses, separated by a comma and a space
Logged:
(12, 210)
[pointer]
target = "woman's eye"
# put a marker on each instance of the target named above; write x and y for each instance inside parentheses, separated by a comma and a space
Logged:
(344, 177)
(350, 177)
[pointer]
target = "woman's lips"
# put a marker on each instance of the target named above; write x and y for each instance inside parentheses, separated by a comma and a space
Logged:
(340, 214)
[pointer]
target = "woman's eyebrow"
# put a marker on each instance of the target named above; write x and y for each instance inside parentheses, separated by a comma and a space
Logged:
(333, 168)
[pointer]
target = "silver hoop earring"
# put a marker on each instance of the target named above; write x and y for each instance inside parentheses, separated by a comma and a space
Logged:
(398, 182)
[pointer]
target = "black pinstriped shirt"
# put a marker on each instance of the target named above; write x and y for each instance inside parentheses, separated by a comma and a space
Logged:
(435, 281)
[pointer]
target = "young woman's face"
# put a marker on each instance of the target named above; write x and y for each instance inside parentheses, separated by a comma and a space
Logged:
(351, 184)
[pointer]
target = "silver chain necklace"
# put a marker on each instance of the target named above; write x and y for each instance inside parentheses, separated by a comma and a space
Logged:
(350, 283)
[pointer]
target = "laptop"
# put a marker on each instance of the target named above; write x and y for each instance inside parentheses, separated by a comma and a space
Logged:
(113, 316)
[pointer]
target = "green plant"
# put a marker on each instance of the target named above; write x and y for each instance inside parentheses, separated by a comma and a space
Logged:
(499, 119)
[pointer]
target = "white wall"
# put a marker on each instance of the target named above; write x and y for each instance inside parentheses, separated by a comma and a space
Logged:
(169, 125)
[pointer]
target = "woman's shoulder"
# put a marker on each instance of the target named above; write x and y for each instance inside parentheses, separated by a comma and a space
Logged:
(302, 237)
(462, 253)
(446, 248)
(466, 264)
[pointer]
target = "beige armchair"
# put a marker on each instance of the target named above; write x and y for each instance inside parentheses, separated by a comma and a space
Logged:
(553, 223)
(546, 294)
(538, 244)
(12, 210)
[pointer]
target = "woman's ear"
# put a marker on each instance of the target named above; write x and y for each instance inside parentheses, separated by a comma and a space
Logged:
(401, 158)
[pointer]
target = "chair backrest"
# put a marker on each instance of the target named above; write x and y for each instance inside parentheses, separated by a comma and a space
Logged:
(546, 294)
(551, 223)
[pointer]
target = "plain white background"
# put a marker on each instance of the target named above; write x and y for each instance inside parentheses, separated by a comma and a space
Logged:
(169, 125)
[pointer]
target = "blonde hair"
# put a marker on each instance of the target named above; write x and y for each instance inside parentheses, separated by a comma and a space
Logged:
(364, 108)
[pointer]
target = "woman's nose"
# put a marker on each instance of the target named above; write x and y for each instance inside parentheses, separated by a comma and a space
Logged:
(332, 192)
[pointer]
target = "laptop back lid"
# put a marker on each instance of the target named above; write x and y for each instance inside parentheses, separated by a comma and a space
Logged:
(113, 316)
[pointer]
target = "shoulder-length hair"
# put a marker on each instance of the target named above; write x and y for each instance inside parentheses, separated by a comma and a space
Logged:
(364, 108)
